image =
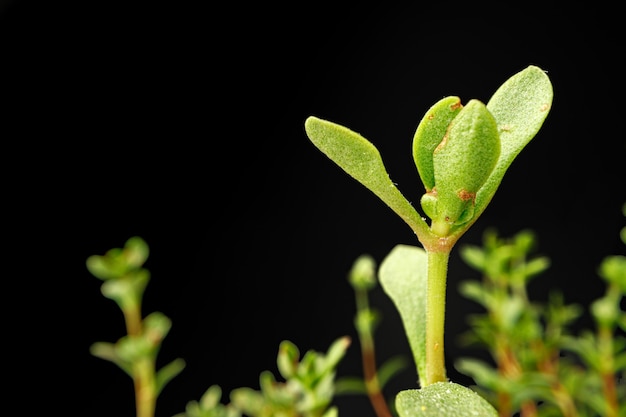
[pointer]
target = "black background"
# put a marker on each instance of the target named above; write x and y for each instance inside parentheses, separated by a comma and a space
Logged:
(182, 123)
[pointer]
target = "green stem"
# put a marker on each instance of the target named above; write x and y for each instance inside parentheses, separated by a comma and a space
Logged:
(143, 370)
(605, 337)
(145, 390)
(435, 316)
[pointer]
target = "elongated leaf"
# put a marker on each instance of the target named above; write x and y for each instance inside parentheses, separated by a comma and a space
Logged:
(520, 106)
(349, 385)
(361, 160)
(443, 399)
(404, 277)
(390, 368)
(168, 372)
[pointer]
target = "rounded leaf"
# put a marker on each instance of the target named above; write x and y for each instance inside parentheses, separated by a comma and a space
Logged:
(464, 160)
(430, 132)
(443, 399)
(404, 278)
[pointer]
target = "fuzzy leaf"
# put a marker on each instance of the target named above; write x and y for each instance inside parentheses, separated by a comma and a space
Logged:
(404, 277)
(520, 106)
(430, 132)
(443, 399)
(361, 160)
(463, 161)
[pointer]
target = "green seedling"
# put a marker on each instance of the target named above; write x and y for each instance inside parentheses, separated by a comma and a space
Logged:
(461, 153)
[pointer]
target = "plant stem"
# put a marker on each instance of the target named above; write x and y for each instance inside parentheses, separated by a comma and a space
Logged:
(368, 355)
(605, 338)
(435, 316)
(145, 392)
(372, 386)
(143, 369)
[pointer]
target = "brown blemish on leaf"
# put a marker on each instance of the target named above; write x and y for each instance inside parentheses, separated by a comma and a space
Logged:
(442, 143)
(431, 116)
(456, 105)
(545, 107)
(466, 195)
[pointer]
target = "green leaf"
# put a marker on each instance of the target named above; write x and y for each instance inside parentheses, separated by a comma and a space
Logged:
(613, 270)
(430, 132)
(211, 397)
(350, 385)
(520, 106)
(248, 400)
(363, 273)
(119, 261)
(536, 266)
(167, 373)
(361, 160)
(404, 277)
(474, 256)
(464, 160)
(335, 353)
(390, 368)
(331, 412)
(483, 373)
(476, 291)
(443, 399)
(287, 359)
(108, 352)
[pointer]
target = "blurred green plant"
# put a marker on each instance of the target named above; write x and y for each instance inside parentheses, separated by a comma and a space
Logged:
(307, 391)
(539, 368)
(363, 279)
(125, 280)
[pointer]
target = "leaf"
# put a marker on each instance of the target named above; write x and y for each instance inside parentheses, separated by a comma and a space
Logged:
(361, 160)
(613, 271)
(168, 372)
(520, 106)
(404, 277)
(331, 412)
(335, 353)
(287, 359)
(474, 256)
(430, 132)
(390, 368)
(463, 161)
(443, 399)
(350, 385)
(108, 352)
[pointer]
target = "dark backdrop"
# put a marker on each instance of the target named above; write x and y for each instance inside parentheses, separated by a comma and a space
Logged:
(183, 124)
